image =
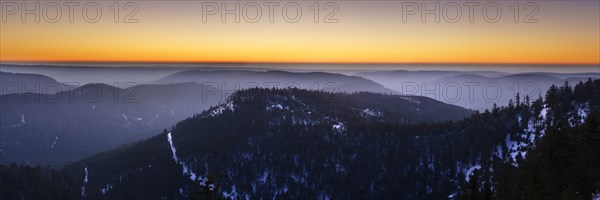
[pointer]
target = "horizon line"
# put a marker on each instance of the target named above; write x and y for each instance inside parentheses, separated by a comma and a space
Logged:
(298, 63)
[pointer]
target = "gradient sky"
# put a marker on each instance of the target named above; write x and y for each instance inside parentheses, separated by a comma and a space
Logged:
(568, 32)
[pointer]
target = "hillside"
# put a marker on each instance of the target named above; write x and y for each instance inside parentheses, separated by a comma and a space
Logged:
(70, 125)
(269, 142)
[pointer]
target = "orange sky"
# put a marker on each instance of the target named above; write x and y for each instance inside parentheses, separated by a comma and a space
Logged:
(568, 32)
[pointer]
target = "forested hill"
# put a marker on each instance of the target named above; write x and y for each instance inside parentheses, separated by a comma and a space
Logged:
(309, 131)
(349, 107)
(298, 144)
(564, 149)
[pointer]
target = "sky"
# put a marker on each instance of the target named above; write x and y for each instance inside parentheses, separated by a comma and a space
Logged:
(355, 31)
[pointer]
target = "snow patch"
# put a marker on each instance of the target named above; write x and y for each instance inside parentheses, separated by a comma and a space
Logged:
(54, 143)
(173, 150)
(155, 118)
(410, 99)
(323, 196)
(339, 127)
(186, 168)
(370, 113)
(125, 117)
(220, 109)
(544, 112)
(106, 188)
(263, 178)
(531, 131)
(231, 195)
(85, 181)
(499, 151)
(526, 139)
(339, 168)
(515, 148)
(596, 195)
(276, 106)
(470, 171)
(582, 114)
(452, 196)
(297, 179)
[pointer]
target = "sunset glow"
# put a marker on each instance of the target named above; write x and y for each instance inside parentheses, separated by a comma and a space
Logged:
(366, 32)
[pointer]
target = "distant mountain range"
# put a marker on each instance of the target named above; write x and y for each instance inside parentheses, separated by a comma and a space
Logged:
(474, 90)
(11, 83)
(244, 79)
